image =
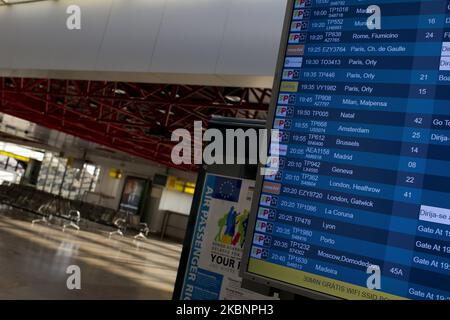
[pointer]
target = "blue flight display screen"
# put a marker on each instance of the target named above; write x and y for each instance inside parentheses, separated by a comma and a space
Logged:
(363, 109)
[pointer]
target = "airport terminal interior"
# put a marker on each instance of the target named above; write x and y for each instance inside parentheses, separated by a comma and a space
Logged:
(38, 242)
(120, 128)
(87, 113)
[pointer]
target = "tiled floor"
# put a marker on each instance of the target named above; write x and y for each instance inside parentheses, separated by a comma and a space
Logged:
(34, 260)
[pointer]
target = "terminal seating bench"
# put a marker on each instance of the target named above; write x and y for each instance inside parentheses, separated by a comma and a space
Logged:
(47, 205)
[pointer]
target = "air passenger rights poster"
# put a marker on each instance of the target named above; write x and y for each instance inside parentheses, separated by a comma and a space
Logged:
(213, 267)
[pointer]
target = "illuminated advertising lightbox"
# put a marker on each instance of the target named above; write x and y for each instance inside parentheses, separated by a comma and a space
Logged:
(132, 195)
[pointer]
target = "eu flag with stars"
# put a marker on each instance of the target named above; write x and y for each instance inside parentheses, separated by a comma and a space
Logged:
(227, 189)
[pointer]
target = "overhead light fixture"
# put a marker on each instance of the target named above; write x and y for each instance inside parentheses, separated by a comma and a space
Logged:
(119, 91)
(234, 99)
(164, 112)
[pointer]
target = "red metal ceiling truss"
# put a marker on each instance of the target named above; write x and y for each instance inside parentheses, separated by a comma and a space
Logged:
(131, 117)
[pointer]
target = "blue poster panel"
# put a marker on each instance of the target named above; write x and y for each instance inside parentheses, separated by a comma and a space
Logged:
(212, 272)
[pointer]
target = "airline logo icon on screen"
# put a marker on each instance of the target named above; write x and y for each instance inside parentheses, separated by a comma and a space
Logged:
(281, 111)
(262, 240)
(446, 49)
(289, 86)
(285, 99)
(260, 253)
(276, 162)
(293, 62)
(259, 239)
(283, 137)
(275, 177)
(301, 14)
(282, 124)
(294, 38)
(291, 74)
(297, 38)
(271, 187)
(267, 214)
(268, 201)
(285, 111)
(302, 4)
(296, 50)
(445, 64)
(298, 26)
(264, 226)
(278, 150)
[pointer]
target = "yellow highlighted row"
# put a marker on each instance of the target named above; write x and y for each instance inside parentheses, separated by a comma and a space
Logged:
(317, 283)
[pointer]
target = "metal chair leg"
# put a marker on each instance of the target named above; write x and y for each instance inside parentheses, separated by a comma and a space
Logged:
(119, 232)
(71, 224)
(42, 220)
(140, 236)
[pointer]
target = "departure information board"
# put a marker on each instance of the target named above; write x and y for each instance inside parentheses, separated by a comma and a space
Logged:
(364, 181)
